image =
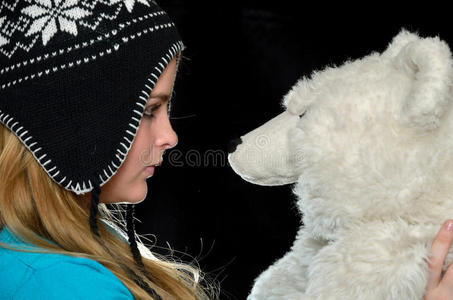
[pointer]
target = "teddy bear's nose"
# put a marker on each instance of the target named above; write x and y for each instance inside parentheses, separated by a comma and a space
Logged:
(233, 144)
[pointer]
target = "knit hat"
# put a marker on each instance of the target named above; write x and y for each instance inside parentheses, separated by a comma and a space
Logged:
(75, 76)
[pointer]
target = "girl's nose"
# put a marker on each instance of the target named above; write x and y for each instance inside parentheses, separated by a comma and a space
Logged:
(167, 137)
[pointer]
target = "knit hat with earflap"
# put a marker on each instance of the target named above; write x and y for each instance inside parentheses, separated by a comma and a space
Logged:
(75, 76)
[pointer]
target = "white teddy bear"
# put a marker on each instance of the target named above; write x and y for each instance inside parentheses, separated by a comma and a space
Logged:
(369, 145)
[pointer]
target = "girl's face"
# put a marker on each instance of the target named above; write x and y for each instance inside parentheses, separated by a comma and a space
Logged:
(154, 136)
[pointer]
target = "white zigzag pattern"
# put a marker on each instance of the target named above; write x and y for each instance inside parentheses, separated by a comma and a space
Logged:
(44, 15)
(3, 39)
(130, 3)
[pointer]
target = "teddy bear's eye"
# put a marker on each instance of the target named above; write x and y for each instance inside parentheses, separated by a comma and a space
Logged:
(300, 116)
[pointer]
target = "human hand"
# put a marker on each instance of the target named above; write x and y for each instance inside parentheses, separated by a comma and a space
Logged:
(440, 287)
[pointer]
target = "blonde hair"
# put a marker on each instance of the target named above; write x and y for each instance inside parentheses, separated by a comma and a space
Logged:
(36, 209)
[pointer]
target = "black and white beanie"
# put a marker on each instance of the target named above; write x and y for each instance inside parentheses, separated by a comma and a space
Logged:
(75, 76)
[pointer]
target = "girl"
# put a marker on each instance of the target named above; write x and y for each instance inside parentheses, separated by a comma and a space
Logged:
(85, 92)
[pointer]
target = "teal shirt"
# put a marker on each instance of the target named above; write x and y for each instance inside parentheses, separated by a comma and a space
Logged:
(54, 276)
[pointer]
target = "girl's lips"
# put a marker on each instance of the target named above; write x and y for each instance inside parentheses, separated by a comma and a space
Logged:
(149, 170)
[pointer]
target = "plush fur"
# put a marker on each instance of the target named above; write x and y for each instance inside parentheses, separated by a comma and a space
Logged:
(369, 145)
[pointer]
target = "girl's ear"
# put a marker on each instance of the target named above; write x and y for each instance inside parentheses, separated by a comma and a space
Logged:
(428, 64)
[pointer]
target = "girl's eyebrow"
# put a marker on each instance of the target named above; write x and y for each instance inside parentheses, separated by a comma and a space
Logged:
(161, 96)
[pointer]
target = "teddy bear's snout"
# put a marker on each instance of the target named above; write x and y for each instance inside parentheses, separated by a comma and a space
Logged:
(233, 144)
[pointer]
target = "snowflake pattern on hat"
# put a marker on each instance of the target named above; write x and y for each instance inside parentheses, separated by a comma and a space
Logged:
(45, 15)
(45, 18)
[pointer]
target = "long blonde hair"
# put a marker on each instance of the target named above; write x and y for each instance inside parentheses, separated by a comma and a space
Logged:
(36, 209)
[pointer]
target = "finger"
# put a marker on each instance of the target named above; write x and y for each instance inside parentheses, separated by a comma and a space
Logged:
(439, 249)
(447, 279)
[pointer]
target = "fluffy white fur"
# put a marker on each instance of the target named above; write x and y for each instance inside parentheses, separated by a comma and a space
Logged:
(372, 158)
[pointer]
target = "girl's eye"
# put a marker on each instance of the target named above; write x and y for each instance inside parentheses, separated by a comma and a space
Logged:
(149, 112)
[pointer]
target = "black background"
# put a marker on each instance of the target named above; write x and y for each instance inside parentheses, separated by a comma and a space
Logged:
(241, 58)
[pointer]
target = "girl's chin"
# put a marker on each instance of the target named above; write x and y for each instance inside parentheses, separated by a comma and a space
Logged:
(131, 194)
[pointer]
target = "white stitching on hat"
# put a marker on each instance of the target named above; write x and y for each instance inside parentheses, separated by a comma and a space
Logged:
(68, 186)
(68, 20)
(62, 67)
(173, 50)
(165, 60)
(76, 46)
(77, 188)
(6, 119)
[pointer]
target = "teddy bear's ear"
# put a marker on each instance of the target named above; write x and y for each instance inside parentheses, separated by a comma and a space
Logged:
(299, 97)
(428, 65)
(398, 42)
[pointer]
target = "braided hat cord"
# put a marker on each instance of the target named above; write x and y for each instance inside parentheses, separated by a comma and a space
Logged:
(133, 245)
